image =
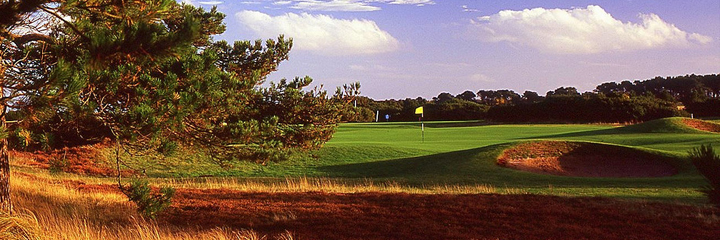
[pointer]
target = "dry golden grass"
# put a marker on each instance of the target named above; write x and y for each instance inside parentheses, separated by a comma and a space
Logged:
(51, 210)
(22, 225)
(305, 184)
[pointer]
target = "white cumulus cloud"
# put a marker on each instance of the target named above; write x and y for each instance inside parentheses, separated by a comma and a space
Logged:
(408, 2)
(191, 2)
(322, 34)
(581, 31)
(481, 78)
(347, 5)
(334, 5)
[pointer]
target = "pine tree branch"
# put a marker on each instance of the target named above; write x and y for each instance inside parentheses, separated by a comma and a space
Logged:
(72, 26)
(21, 40)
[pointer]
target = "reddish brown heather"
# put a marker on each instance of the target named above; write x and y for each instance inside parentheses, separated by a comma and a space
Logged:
(318, 215)
(84, 160)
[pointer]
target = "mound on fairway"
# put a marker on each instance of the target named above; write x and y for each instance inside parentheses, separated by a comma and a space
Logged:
(581, 159)
(663, 125)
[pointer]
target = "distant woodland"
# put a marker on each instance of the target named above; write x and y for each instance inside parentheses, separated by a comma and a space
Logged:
(610, 102)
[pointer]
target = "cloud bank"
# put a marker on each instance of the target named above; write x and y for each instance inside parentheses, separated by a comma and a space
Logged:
(346, 5)
(333, 5)
(581, 31)
(321, 34)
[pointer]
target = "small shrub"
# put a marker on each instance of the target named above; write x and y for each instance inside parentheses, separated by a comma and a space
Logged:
(149, 203)
(168, 148)
(47, 141)
(708, 163)
(23, 139)
(58, 164)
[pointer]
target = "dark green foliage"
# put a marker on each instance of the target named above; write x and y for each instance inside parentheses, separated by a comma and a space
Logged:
(168, 148)
(588, 107)
(708, 163)
(58, 164)
(467, 96)
(444, 107)
(699, 94)
(627, 101)
(150, 203)
(456, 109)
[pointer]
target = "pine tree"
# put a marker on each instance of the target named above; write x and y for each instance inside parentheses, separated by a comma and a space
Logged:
(150, 73)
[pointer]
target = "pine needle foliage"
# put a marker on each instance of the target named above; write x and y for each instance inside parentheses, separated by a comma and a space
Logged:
(708, 163)
(150, 203)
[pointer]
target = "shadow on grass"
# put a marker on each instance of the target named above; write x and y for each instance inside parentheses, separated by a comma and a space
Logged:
(613, 131)
(478, 166)
(429, 165)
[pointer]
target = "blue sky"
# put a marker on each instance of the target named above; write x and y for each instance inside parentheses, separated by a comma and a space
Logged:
(409, 48)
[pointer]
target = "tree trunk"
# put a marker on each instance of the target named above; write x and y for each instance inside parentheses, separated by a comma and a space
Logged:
(5, 203)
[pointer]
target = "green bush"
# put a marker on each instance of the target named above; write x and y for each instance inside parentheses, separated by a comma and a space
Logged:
(708, 163)
(168, 148)
(58, 164)
(149, 203)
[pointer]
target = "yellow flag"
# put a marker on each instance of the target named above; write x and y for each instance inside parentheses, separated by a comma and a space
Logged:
(419, 110)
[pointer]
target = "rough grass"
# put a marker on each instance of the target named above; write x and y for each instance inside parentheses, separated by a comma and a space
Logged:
(20, 225)
(58, 209)
(51, 208)
(459, 154)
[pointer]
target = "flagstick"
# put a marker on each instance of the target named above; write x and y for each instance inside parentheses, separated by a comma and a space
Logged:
(420, 111)
(422, 126)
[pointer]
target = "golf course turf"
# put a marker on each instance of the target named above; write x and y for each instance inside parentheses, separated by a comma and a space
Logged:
(382, 181)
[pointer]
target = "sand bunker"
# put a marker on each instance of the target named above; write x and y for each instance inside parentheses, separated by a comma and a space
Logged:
(584, 160)
(702, 125)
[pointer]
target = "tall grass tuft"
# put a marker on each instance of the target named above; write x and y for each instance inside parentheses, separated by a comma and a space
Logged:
(22, 225)
(708, 163)
(329, 185)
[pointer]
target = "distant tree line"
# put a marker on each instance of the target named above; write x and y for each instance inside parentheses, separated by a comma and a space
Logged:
(626, 101)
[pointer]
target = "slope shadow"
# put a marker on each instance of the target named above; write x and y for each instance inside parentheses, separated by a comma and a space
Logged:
(478, 166)
(611, 131)
(457, 163)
